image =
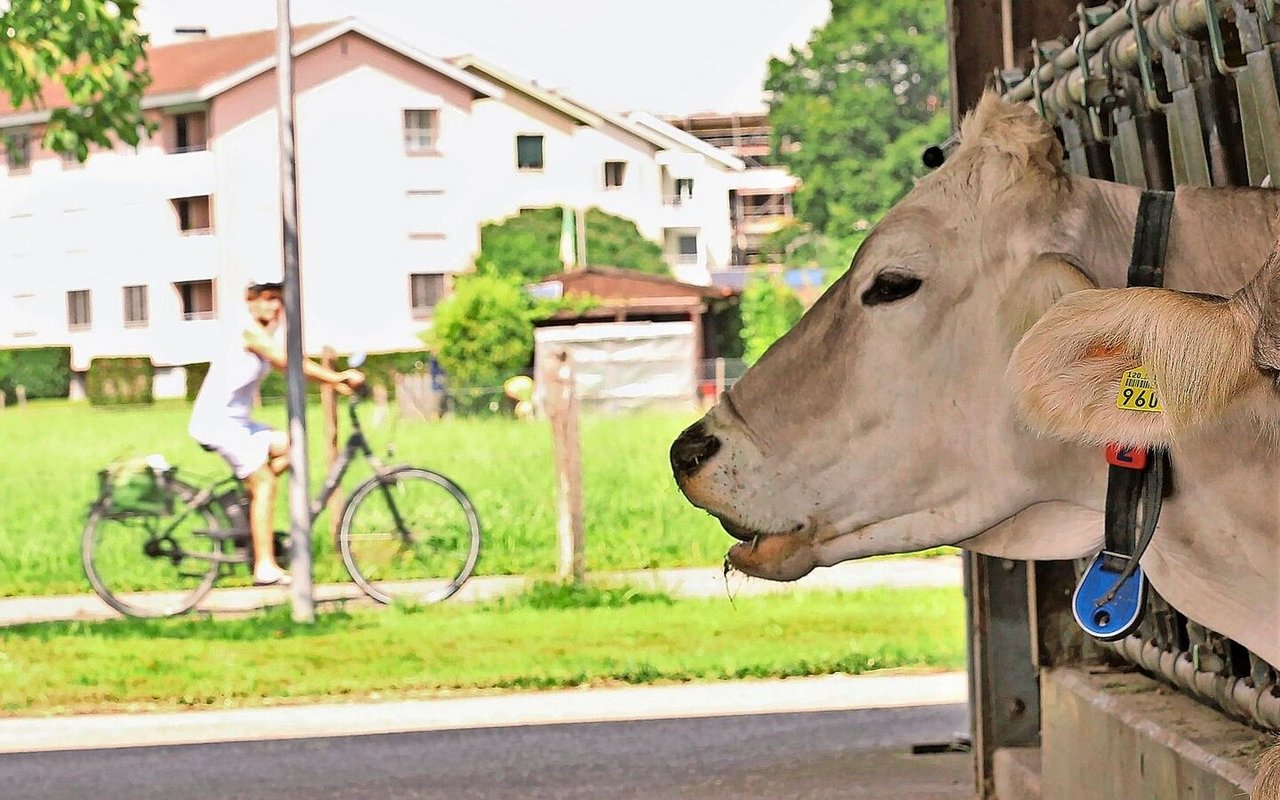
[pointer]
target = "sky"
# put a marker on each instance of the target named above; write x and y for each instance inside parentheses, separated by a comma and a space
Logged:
(673, 57)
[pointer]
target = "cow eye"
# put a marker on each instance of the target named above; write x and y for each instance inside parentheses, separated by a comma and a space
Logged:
(888, 287)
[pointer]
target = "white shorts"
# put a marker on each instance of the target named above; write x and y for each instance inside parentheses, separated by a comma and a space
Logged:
(245, 445)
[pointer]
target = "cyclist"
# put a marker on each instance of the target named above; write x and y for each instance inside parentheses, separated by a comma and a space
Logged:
(220, 417)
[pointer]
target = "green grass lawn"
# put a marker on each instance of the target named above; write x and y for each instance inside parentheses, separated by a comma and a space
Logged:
(540, 640)
(635, 517)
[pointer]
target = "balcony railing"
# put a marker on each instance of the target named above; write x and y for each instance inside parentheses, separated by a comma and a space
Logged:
(768, 210)
(676, 200)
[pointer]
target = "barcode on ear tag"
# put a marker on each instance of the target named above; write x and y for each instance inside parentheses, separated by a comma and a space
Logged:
(1137, 391)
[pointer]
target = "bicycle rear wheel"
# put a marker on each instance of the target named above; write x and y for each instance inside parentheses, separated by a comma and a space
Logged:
(151, 565)
(409, 535)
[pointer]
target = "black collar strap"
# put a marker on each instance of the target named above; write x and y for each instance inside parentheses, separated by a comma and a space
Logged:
(1150, 239)
(1109, 600)
(1128, 488)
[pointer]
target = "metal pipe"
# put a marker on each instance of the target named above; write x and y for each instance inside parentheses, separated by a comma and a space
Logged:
(1112, 43)
(1238, 697)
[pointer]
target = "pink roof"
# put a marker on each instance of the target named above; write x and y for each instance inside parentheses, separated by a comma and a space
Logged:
(187, 66)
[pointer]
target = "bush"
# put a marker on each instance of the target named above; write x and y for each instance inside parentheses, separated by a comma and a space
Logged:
(769, 309)
(483, 332)
(382, 368)
(42, 371)
(196, 373)
(120, 381)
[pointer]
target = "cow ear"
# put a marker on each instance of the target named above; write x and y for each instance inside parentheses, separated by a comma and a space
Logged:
(1050, 278)
(1260, 298)
(1066, 371)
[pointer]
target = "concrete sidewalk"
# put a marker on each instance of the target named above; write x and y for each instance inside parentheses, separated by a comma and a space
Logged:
(942, 571)
(828, 693)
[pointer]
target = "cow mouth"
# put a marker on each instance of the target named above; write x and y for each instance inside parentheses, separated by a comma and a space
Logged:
(773, 557)
(740, 532)
(746, 534)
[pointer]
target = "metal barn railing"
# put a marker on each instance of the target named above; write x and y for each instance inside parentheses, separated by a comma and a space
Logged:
(1161, 94)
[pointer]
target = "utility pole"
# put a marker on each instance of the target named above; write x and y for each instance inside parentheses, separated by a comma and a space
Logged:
(304, 609)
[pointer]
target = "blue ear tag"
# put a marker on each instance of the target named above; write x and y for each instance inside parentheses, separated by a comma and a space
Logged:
(1114, 617)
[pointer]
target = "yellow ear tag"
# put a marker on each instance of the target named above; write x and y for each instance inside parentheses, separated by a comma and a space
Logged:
(1137, 391)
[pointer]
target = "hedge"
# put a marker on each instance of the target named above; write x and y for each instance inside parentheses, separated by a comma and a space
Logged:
(379, 369)
(120, 381)
(42, 371)
(195, 377)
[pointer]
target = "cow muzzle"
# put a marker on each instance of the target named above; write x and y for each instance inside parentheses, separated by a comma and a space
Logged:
(691, 449)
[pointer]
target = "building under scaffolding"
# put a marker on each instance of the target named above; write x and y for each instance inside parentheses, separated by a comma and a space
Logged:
(760, 202)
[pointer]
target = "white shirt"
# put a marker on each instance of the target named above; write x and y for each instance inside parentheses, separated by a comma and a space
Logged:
(229, 390)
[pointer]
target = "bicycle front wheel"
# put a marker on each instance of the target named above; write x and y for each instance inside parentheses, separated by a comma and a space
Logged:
(409, 535)
(150, 565)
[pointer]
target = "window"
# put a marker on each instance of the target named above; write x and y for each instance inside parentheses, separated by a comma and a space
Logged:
(687, 250)
(79, 314)
(529, 152)
(421, 129)
(196, 299)
(425, 291)
(17, 147)
(684, 190)
(194, 214)
(135, 306)
(190, 132)
(615, 173)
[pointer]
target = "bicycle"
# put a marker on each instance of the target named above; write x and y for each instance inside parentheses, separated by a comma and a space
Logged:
(405, 534)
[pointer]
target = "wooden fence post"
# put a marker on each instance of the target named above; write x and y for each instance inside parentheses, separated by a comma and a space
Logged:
(21, 392)
(562, 410)
(719, 378)
(329, 410)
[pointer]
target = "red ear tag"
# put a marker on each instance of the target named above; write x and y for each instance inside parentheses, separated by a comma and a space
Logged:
(1129, 457)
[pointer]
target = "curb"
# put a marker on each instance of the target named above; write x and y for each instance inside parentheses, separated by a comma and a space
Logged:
(566, 706)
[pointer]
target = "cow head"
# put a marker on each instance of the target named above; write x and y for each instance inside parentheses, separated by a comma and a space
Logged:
(1205, 354)
(881, 422)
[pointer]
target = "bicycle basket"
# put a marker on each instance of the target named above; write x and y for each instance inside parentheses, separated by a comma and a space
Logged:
(137, 486)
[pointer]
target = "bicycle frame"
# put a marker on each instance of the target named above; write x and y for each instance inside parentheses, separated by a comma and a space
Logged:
(356, 445)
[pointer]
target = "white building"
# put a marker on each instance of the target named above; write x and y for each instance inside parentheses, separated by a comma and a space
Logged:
(401, 158)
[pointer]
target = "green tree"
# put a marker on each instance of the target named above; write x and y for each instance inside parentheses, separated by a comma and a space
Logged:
(850, 108)
(93, 52)
(526, 247)
(769, 309)
(483, 332)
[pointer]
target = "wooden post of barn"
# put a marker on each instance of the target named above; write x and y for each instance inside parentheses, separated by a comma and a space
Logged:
(329, 408)
(561, 402)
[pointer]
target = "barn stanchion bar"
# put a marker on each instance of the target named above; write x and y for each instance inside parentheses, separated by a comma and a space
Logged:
(1190, 95)
(1157, 94)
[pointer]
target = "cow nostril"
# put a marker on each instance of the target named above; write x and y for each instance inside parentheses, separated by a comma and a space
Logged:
(692, 449)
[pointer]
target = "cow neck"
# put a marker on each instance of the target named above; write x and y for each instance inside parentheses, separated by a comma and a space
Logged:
(1200, 258)
(1104, 238)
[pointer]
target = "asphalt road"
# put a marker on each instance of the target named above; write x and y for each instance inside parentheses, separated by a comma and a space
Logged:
(832, 754)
